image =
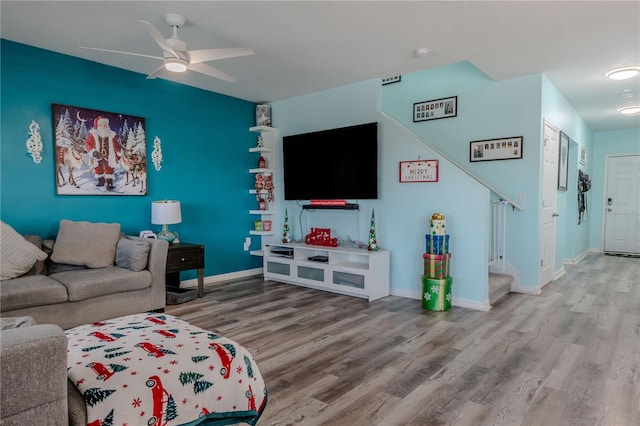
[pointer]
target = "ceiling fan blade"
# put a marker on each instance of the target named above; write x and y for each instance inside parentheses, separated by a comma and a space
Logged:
(124, 53)
(205, 55)
(211, 71)
(157, 37)
(156, 72)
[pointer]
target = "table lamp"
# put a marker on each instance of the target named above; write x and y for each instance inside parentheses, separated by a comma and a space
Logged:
(166, 212)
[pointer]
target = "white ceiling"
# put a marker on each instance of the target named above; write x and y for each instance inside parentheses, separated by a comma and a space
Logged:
(307, 46)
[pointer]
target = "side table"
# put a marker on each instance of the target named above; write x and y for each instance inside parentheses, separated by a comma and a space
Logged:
(182, 257)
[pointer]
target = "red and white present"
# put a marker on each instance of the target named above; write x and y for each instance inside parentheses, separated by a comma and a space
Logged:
(436, 265)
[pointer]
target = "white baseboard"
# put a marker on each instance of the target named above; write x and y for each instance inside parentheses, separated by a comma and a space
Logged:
(579, 258)
(212, 279)
(534, 291)
(410, 294)
(559, 273)
(462, 303)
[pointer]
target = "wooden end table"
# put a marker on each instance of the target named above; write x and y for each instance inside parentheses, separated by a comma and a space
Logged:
(182, 257)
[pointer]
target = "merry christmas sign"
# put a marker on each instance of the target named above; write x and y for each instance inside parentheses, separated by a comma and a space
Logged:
(419, 171)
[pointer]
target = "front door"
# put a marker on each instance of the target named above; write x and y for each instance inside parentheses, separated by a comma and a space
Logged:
(549, 186)
(622, 205)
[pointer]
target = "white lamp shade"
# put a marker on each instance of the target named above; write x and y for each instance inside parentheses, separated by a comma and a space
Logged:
(166, 212)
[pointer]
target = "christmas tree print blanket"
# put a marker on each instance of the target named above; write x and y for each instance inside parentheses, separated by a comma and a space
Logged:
(158, 370)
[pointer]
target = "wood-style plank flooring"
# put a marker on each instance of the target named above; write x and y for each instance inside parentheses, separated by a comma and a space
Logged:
(570, 356)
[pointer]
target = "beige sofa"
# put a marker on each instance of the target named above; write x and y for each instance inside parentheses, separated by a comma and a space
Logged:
(66, 294)
(107, 275)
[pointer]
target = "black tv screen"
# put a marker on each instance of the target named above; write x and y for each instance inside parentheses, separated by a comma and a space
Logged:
(336, 164)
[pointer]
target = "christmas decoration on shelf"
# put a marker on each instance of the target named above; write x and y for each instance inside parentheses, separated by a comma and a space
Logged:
(436, 282)
(259, 185)
(262, 163)
(260, 142)
(321, 237)
(286, 236)
(268, 186)
(373, 244)
(262, 204)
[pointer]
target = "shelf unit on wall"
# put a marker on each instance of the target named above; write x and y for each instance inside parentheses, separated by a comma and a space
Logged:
(268, 152)
(346, 270)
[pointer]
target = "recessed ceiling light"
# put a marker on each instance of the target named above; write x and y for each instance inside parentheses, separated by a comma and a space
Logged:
(421, 52)
(630, 110)
(623, 73)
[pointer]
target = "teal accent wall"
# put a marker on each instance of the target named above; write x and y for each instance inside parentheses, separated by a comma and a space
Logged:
(205, 142)
(615, 142)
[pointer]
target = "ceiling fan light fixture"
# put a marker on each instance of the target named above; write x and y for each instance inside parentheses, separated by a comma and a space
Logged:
(630, 110)
(175, 65)
(623, 73)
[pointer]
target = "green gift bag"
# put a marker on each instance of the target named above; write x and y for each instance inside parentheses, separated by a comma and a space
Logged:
(436, 293)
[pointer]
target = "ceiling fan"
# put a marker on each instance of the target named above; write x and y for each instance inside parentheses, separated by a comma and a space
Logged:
(176, 57)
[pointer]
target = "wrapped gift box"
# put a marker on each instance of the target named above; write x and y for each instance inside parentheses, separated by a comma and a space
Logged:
(436, 293)
(437, 244)
(438, 227)
(436, 265)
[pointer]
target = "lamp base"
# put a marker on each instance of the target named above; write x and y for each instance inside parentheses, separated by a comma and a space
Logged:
(166, 235)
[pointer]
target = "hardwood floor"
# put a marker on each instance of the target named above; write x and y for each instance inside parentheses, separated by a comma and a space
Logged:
(570, 356)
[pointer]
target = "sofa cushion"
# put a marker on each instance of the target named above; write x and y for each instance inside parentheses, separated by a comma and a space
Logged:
(131, 254)
(17, 255)
(31, 290)
(85, 243)
(87, 283)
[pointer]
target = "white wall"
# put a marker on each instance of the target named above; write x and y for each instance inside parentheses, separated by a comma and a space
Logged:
(486, 110)
(403, 210)
(606, 143)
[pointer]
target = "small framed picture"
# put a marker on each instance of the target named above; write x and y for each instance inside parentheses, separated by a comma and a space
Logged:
(435, 109)
(563, 162)
(263, 115)
(583, 155)
(496, 149)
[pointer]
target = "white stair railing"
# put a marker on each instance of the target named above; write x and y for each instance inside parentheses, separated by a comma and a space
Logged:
(497, 255)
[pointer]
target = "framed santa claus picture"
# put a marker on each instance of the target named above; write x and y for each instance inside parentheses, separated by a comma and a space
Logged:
(99, 152)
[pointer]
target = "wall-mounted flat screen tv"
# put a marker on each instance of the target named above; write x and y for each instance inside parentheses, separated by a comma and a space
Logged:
(335, 164)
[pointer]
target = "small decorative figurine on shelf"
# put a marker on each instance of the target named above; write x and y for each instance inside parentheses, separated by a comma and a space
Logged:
(259, 185)
(260, 142)
(262, 163)
(262, 204)
(268, 186)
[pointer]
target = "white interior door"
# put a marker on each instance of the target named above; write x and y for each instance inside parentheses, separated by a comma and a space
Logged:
(549, 186)
(622, 205)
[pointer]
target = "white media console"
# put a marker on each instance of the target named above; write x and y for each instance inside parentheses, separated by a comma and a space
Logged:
(345, 270)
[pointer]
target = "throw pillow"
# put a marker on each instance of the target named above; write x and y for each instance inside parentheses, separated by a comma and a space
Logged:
(85, 243)
(17, 255)
(131, 254)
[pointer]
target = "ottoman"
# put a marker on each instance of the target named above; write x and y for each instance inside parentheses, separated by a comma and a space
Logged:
(157, 369)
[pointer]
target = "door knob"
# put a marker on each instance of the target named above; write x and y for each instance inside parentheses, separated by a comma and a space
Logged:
(555, 214)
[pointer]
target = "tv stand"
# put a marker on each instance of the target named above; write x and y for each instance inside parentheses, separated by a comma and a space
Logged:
(348, 270)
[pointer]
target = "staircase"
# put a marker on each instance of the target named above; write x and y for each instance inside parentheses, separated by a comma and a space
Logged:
(499, 286)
